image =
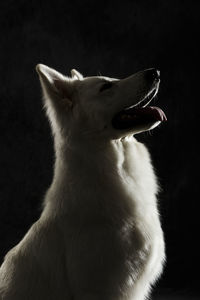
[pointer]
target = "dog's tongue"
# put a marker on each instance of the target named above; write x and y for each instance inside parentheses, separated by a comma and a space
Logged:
(138, 116)
(150, 111)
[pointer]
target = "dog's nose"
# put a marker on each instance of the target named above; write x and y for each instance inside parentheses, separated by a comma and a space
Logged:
(152, 74)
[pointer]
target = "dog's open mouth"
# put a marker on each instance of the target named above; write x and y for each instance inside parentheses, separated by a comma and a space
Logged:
(139, 115)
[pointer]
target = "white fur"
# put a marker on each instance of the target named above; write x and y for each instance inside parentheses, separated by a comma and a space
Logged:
(99, 235)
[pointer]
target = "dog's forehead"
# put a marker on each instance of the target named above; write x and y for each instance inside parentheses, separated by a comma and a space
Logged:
(90, 85)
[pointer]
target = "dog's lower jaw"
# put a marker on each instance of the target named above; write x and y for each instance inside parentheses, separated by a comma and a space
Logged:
(112, 190)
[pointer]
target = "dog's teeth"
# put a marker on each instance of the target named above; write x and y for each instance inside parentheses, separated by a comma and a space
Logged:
(126, 117)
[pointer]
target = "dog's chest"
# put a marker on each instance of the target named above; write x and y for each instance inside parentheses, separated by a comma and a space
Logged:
(139, 188)
(136, 171)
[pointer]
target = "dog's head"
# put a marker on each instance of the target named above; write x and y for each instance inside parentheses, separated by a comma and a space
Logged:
(98, 106)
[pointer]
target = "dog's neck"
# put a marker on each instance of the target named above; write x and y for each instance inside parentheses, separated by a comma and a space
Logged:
(90, 173)
(89, 155)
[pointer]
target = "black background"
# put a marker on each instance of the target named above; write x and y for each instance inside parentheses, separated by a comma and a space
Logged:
(116, 39)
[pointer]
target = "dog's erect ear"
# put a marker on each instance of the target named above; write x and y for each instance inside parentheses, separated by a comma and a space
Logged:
(76, 75)
(55, 84)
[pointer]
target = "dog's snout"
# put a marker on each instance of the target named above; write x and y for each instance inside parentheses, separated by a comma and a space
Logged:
(152, 74)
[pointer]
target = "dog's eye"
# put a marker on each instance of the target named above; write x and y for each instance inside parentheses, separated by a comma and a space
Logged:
(105, 86)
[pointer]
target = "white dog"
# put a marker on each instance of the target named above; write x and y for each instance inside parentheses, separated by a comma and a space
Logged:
(99, 235)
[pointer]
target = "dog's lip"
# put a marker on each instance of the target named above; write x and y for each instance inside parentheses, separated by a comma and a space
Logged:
(139, 114)
(146, 100)
(155, 111)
